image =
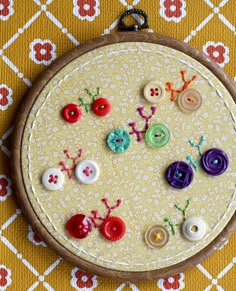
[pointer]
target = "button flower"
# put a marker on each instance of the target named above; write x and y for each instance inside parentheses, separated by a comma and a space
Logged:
(86, 9)
(6, 9)
(34, 238)
(5, 277)
(173, 10)
(82, 280)
(175, 282)
(5, 97)
(118, 140)
(42, 51)
(5, 187)
(218, 52)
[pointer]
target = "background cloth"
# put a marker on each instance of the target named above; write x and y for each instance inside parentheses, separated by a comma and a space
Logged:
(33, 33)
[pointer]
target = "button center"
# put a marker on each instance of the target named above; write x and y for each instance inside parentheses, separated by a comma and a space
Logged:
(154, 92)
(191, 100)
(87, 171)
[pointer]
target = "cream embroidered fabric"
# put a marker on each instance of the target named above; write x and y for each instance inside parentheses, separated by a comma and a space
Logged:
(136, 176)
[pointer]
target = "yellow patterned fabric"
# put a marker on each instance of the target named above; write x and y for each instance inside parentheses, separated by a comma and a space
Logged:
(33, 34)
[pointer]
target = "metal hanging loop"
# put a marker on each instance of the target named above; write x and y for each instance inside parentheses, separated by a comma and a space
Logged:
(134, 27)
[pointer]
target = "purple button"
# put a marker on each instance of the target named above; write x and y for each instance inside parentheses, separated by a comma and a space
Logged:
(179, 175)
(214, 162)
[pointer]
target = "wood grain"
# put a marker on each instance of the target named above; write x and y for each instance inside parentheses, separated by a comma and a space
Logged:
(16, 162)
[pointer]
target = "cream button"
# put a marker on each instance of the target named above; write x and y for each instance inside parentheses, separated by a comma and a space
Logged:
(53, 179)
(87, 172)
(154, 92)
(156, 236)
(190, 100)
(194, 228)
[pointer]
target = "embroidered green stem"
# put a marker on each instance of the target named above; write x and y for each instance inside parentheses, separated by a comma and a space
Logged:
(93, 96)
(171, 225)
(198, 146)
(87, 106)
(183, 211)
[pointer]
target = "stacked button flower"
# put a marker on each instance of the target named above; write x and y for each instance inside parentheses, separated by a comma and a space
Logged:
(112, 228)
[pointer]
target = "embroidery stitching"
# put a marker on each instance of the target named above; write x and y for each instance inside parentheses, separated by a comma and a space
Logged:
(92, 96)
(189, 158)
(110, 209)
(185, 86)
(183, 211)
(67, 169)
(147, 118)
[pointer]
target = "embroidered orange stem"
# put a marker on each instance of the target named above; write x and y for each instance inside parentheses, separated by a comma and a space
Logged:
(185, 86)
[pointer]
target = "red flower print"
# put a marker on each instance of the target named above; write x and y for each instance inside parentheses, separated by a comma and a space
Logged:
(172, 10)
(86, 9)
(42, 51)
(5, 277)
(5, 187)
(5, 97)
(175, 282)
(6, 9)
(218, 52)
(82, 280)
(34, 238)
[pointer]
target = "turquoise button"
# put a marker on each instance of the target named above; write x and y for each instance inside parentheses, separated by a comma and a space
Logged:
(157, 135)
(118, 140)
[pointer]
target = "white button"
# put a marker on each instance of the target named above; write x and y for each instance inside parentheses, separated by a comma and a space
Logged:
(53, 179)
(194, 228)
(154, 92)
(87, 172)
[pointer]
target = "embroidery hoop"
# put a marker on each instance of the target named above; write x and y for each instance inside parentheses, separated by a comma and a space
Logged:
(24, 112)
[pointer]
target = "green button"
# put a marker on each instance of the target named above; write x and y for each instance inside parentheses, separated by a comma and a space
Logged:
(157, 135)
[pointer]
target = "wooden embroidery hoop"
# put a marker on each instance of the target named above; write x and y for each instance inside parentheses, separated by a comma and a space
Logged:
(17, 176)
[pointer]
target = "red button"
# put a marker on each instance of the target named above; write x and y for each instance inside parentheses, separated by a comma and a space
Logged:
(79, 226)
(71, 113)
(101, 107)
(113, 228)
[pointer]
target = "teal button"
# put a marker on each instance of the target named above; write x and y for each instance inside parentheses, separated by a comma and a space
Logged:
(118, 140)
(157, 135)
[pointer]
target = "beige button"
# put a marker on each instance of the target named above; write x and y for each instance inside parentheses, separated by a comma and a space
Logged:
(154, 92)
(194, 228)
(156, 236)
(190, 100)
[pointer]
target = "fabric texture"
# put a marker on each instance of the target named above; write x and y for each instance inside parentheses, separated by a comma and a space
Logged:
(33, 33)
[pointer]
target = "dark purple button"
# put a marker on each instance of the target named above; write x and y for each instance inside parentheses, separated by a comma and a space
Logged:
(214, 162)
(179, 175)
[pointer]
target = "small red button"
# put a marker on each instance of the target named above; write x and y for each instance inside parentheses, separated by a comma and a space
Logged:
(71, 113)
(79, 226)
(101, 107)
(113, 228)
